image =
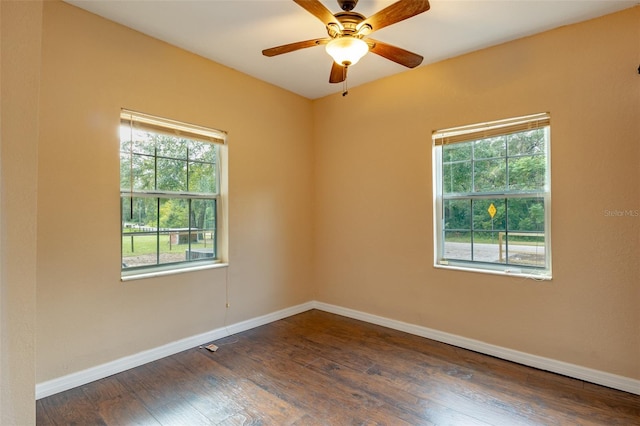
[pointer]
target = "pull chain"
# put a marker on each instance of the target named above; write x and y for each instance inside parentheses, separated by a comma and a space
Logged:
(345, 88)
(131, 167)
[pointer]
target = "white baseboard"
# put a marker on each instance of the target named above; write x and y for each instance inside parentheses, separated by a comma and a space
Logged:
(583, 373)
(80, 378)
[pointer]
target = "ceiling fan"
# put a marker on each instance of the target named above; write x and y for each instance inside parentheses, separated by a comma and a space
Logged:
(348, 34)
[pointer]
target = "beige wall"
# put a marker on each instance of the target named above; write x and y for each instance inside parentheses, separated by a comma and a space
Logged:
(367, 242)
(90, 69)
(373, 204)
(21, 29)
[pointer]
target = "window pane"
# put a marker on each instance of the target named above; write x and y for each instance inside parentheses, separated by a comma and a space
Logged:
(490, 175)
(172, 175)
(143, 142)
(203, 226)
(490, 148)
(139, 249)
(171, 147)
(523, 248)
(482, 209)
(527, 173)
(457, 214)
(456, 177)
(143, 168)
(526, 143)
(175, 234)
(203, 215)
(456, 152)
(202, 178)
(201, 151)
(486, 246)
(526, 214)
(174, 213)
(139, 239)
(457, 245)
(125, 171)
(144, 212)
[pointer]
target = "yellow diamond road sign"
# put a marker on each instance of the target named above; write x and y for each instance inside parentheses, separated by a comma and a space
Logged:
(492, 210)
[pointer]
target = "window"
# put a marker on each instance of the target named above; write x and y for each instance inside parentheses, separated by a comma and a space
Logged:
(492, 196)
(170, 180)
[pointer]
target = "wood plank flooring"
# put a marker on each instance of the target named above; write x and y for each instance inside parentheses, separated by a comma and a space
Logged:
(317, 368)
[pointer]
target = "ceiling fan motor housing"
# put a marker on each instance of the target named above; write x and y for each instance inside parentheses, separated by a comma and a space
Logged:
(347, 5)
(350, 22)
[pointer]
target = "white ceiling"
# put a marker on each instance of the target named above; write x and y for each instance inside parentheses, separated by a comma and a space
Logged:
(234, 32)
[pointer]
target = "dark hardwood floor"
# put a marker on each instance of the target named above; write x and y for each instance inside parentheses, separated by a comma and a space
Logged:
(318, 368)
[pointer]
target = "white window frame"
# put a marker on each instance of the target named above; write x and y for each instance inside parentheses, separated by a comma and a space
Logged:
(136, 121)
(479, 132)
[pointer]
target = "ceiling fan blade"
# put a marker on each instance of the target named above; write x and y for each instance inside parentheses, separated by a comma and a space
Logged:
(291, 47)
(395, 54)
(318, 10)
(396, 12)
(338, 73)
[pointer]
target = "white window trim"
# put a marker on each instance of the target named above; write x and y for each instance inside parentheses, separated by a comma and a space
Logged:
(164, 270)
(189, 131)
(479, 131)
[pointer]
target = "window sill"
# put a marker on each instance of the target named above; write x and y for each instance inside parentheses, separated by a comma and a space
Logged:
(163, 271)
(511, 272)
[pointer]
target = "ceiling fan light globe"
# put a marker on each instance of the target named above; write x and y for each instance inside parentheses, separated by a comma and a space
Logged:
(347, 51)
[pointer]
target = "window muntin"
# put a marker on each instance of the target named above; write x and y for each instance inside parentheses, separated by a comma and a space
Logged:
(492, 196)
(170, 194)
